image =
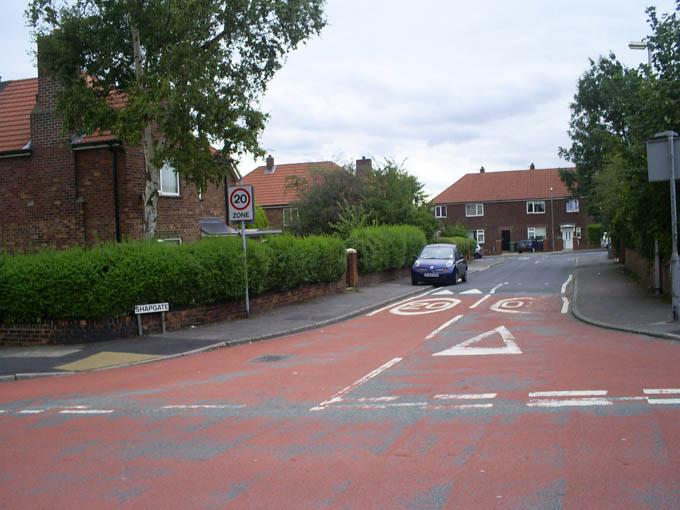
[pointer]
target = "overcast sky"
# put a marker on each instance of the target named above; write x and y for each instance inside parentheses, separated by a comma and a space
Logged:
(446, 85)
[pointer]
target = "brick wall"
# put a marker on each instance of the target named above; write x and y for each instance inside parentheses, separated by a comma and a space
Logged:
(512, 216)
(274, 215)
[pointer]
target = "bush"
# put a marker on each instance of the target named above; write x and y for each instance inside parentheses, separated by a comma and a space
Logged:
(386, 247)
(595, 233)
(457, 230)
(107, 282)
(466, 245)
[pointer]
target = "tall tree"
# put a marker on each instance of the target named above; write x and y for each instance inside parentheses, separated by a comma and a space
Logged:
(190, 73)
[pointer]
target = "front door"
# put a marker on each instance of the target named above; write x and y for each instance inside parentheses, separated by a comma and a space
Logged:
(568, 237)
(505, 243)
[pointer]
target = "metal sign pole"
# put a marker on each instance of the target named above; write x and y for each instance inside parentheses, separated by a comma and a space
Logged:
(675, 261)
(245, 265)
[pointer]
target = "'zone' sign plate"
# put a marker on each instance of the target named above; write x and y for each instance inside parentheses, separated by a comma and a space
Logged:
(241, 203)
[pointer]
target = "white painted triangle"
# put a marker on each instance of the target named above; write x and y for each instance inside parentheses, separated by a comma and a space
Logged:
(464, 349)
(442, 293)
(472, 291)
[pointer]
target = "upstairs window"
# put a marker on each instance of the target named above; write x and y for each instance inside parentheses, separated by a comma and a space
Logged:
(440, 211)
(536, 207)
(290, 216)
(169, 181)
(572, 205)
(474, 210)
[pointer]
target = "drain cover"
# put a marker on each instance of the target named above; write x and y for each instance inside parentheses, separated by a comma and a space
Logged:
(269, 358)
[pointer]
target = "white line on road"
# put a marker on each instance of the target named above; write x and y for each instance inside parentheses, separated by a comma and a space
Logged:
(565, 305)
(539, 260)
(443, 326)
(664, 401)
(564, 285)
(86, 411)
(463, 406)
(204, 406)
(574, 402)
(378, 399)
(568, 393)
(465, 396)
(2, 411)
(480, 301)
(374, 312)
(661, 391)
(493, 291)
(31, 411)
(338, 396)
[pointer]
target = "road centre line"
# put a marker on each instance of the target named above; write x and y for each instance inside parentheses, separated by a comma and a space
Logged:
(565, 305)
(577, 393)
(564, 285)
(338, 396)
(204, 406)
(374, 312)
(493, 291)
(86, 411)
(574, 402)
(465, 396)
(31, 411)
(443, 326)
(663, 401)
(480, 301)
(661, 391)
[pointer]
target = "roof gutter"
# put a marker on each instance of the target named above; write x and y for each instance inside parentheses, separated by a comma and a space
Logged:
(95, 145)
(21, 153)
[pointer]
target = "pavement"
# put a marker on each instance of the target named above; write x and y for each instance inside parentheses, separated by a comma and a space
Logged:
(604, 295)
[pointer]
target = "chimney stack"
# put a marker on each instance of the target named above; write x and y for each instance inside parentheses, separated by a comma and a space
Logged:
(481, 170)
(532, 167)
(364, 166)
(270, 165)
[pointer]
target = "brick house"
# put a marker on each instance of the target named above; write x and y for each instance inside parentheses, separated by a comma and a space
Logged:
(58, 191)
(274, 188)
(500, 208)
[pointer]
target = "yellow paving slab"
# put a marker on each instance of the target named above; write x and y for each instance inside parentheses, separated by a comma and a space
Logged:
(105, 359)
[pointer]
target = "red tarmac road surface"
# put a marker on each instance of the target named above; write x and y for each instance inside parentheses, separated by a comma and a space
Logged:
(362, 415)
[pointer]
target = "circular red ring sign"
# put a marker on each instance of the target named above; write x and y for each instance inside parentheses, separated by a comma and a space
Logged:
(239, 199)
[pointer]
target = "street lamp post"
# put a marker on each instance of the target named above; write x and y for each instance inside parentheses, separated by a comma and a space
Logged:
(639, 45)
(552, 220)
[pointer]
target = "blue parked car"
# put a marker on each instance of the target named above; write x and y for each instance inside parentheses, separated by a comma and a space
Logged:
(439, 263)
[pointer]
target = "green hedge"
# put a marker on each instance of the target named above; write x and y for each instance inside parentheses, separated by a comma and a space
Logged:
(386, 247)
(466, 245)
(107, 282)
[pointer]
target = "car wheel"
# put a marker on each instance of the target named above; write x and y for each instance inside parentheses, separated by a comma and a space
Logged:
(464, 278)
(414, 281)
(455, 278)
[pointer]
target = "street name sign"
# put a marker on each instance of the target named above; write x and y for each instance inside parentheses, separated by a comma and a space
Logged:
(152, 308)
(241, 203)
(658, 159)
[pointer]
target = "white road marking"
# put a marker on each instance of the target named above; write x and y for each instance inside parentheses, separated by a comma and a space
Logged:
(574, 402)
(565, 305)
(31, 411)
(471, 291)
(539, 260)
(480, 301)
(444, 292)
(378, 399)
(86, 411)
(462, 349)
(374, 312)
(462, 406)
(627, 398)
(564, 285)
(664, 401)
(493, 291)
(661, 391)
(443, 326)
(509, 305)
(338, 396)
(204, 406)
(425, 306)
(465, 396)
(569, 393)
(2, 411)
(420, 405)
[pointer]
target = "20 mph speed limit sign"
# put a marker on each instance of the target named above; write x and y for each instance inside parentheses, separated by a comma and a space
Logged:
(241, 203)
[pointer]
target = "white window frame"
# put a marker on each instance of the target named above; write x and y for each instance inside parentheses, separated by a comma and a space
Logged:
(479, 236)
(440, 211)
(531, 204)
(531, 232)
(479, 210)
(575, 206)
(577, 232)
(293, 216)
(160, 184)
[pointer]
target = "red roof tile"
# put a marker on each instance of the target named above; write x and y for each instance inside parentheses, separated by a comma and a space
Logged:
(17, 99)
(274, 188)
(498, 186)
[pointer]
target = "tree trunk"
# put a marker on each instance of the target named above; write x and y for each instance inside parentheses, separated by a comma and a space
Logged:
(151, 172)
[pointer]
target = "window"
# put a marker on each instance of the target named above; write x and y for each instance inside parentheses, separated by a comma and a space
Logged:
(479, 235)
(536, 207)
(169, 181)
(537, 233)
(440, 211)
(572, 205)
(474, 210)
(577, 233)
(290, 216)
